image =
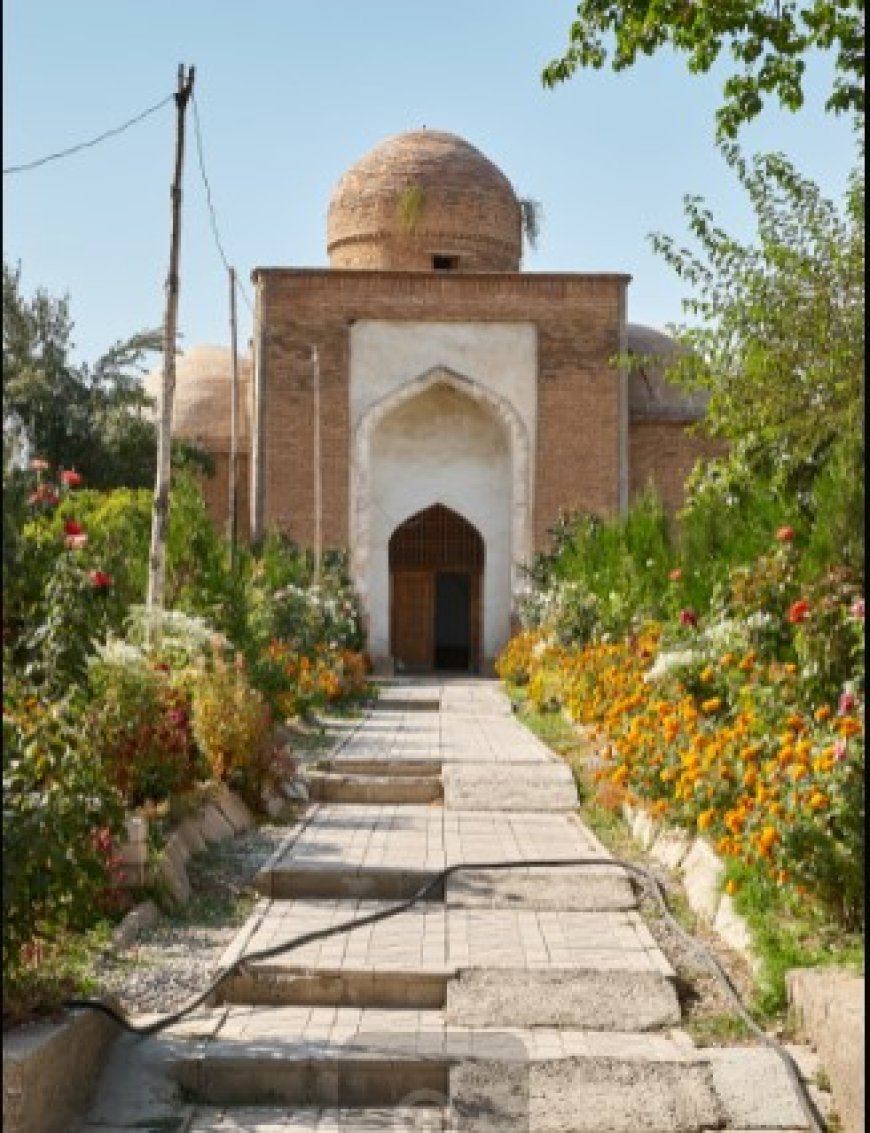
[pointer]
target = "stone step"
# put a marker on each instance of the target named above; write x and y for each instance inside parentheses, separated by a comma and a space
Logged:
(491, 967)
(514, 787)
(332, 787)
(382, 766)
(322, 880)
(260, 1119)
(541, 1079)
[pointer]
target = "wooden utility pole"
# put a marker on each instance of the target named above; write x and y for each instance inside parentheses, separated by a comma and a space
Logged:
(160, 513)
(234, 426)
(318, 523)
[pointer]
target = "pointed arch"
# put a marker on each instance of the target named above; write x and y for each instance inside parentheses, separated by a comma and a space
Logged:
(362, 504)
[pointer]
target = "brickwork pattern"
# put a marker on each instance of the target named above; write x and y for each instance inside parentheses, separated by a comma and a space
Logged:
(665, 452)
(577, 321)
(422, 194)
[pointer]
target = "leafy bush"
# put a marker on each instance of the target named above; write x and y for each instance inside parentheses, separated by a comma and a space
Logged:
(138, 725)
(232, 724)
(59, 815)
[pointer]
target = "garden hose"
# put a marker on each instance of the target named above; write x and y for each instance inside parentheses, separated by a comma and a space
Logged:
(814, 1118)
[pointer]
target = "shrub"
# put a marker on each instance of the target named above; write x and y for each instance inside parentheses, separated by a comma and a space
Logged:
(139, 726)
(232, 724)
(59, 815)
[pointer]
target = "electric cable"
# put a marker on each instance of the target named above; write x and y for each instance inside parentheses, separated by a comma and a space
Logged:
(93, 141)
(211, 209)
(814, 1118)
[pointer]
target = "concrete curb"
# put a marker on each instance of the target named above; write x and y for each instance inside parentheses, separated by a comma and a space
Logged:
(829, 1006)
(51, 1070)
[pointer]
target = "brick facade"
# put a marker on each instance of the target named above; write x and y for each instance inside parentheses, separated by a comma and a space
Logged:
(664, 453)
(577, 318)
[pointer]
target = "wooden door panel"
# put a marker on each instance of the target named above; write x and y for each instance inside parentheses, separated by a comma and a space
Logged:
(412, 620)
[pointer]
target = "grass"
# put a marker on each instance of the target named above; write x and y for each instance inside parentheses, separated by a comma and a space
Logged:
(783, 937)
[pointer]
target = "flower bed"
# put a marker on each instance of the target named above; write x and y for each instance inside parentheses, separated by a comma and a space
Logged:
(746, 726)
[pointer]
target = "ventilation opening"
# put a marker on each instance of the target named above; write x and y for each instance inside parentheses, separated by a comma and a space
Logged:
(445, 263)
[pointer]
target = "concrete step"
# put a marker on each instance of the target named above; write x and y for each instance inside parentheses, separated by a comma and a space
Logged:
(260, 1119)
(488, 967)
(383, 766)
(541, 1079)
(523, 787)
(322, 880)
(332, 787)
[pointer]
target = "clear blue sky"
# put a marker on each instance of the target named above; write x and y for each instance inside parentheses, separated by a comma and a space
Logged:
(292, 92)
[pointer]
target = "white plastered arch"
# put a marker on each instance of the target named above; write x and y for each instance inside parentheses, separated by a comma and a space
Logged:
(363, 505)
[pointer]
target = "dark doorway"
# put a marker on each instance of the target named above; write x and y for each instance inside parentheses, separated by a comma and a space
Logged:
(436, 573)
(452, 621)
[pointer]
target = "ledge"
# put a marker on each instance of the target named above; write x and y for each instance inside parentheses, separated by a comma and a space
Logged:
(50, 1071)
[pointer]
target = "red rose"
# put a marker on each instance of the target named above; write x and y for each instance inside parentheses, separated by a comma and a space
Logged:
(688, 618)
(798, 611)
(70, 478)
(99, 579)
(785, 534)
(675, 575)
(73, 528)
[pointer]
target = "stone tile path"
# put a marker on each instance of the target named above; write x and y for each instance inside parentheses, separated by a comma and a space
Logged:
(531, 999)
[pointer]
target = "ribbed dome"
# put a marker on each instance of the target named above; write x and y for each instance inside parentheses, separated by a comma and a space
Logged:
(650, 396)
(203, 388)
(423, 195)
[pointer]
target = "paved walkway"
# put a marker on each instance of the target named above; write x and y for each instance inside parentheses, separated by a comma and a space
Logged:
(530, 999)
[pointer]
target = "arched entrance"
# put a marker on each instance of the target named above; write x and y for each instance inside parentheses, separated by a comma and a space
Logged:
(436, 566)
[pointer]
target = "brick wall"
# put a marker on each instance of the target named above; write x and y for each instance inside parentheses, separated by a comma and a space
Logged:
(577, 319)
(664, 452)
(216, 491)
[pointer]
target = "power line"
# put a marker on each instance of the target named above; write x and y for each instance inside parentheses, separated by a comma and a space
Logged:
(211, 209)
(93, 142)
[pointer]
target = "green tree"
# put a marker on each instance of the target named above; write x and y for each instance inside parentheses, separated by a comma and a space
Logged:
(768, 40)
(76, 416)
(778, 325)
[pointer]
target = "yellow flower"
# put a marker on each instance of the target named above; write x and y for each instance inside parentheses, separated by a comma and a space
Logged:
(712, 705)
(767, 839)
(705, 818)
(822, 713)
(817, 801)
(731, 887)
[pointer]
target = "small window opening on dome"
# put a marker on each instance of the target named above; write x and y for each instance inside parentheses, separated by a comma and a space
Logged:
(445, 263)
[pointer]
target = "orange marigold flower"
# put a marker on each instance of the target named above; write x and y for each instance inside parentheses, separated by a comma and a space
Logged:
(817, 801)
(848, 726)
(705, 818)
(767, 839)
(822, 713)
(731, 887)
(712, 705)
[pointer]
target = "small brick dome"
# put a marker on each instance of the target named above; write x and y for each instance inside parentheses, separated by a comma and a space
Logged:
(650, 397)
(421, 201)
(203, 388)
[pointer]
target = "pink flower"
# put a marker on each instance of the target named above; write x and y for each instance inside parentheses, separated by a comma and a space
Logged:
(100, 580)
(75, 542)
(675, 575)
(44, 494)
(785, 534)
(857, 610)
(39, 465)
(840, 751)
(688, 618)
(848, 702)
(70, 478)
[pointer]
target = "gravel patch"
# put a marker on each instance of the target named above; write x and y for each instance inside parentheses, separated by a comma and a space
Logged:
(175, 959)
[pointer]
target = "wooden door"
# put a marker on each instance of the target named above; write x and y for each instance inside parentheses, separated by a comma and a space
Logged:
(412, 618)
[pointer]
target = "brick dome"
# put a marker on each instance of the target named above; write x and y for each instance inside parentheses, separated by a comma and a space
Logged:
(421, 201)
(650, 396)
(203, 386)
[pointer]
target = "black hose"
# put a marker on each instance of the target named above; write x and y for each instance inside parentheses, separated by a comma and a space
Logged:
(814, 1118)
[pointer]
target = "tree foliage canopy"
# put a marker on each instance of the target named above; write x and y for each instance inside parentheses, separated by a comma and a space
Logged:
(76, 416)
(777, 334)
(768, 40)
